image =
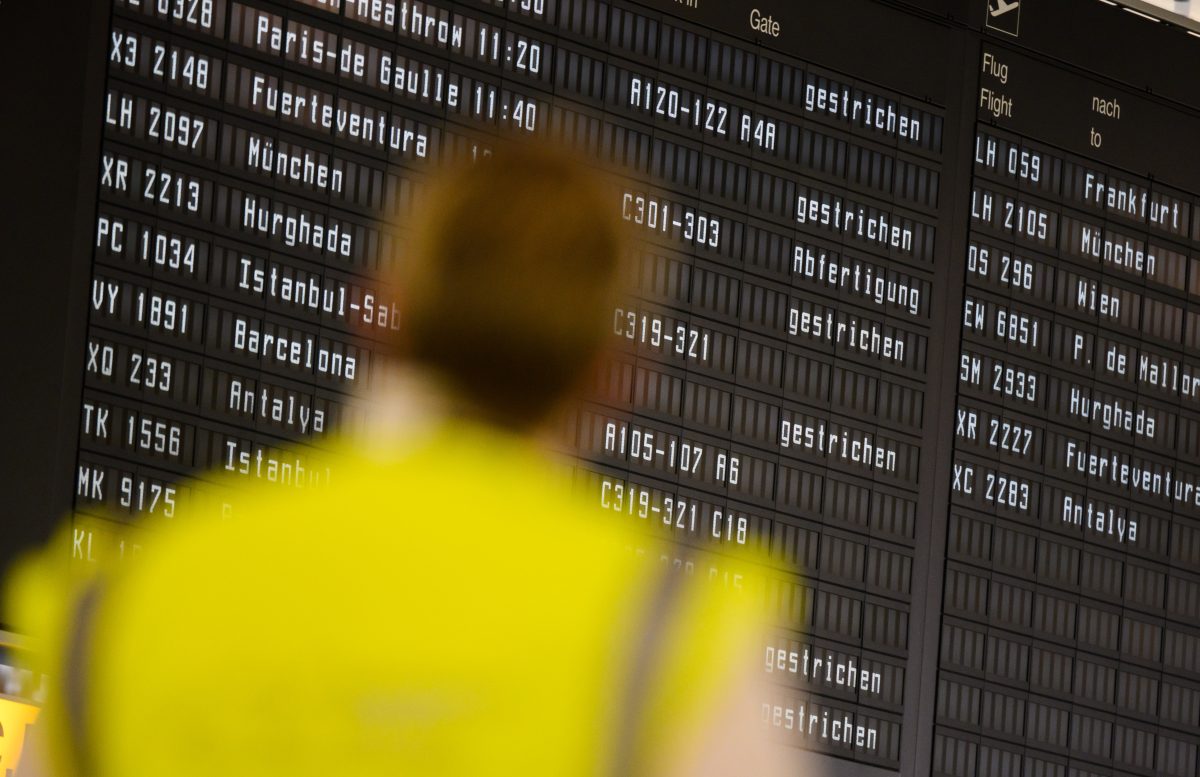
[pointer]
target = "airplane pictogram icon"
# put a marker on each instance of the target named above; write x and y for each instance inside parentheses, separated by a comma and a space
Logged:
(1004, 16)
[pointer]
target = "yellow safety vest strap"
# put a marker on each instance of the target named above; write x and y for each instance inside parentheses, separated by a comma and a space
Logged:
(76, 661)
(646, 659)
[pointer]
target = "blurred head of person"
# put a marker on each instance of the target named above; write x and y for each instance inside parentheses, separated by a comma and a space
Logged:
(508, 281)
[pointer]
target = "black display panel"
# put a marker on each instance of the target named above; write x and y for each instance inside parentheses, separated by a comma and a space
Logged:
(917, 314)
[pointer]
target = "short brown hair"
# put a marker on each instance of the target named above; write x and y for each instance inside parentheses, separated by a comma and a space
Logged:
(510, 279)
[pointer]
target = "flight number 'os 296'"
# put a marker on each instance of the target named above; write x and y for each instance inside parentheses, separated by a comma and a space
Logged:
(1011, 271)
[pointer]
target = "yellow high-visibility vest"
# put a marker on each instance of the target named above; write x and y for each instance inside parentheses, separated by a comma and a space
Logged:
(444, 609)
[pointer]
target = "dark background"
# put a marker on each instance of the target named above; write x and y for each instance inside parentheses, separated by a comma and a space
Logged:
(50, 85)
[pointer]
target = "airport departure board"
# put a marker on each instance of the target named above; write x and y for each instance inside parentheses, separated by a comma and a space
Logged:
(916, 313)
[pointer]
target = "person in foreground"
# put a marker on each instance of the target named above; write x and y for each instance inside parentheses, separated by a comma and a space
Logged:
(444, 604)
